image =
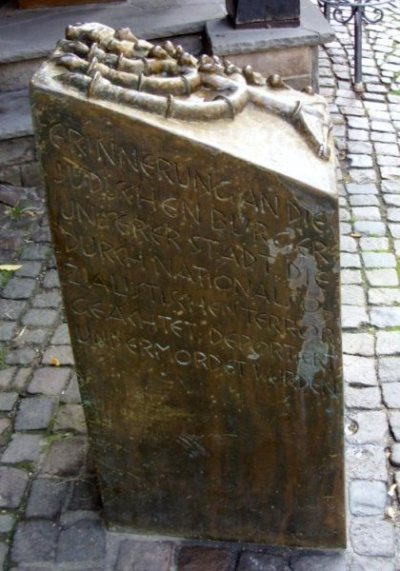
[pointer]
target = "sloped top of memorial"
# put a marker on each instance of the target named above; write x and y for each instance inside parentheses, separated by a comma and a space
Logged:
(164, 82)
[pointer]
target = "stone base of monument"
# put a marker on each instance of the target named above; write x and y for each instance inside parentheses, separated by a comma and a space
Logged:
(194, 212)
(290, 52)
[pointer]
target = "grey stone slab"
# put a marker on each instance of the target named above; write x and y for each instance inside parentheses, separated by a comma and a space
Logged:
(384, 296)
(379, 260)
(62, 353)
(366, 427)
(40, 317)
(351, 277)
(372, 537)
(145, 556)
(51, 280)
(385, 317)
(35, 413)
(29, 269)
(389, 369)
(66, 457)
(359, 370)
(10, 309)
(329, 562)
(47, 299)
(383, 277)
(8, 401)
(46, 498)
(354, 316)
(6, 376)
(23, 448)
(12, 486)
(35, 541)
(19, 288)
(395, 454)
(353, 295)
(35, 252)
(49, 380)
(24, 356)
(71, 394)
(16, 116)
(353, 188)
(391, 395)
(7, 330)
(83, 541)
(358, 344)
(70, 417)
(370, 228)
(362, 397)
(394, 422)
(367, 498)
(6, 522)
(370, 244)
(313, 30)
(371, 564)
(61, 336)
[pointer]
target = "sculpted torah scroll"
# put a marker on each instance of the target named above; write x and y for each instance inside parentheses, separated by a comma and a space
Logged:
(194, 213)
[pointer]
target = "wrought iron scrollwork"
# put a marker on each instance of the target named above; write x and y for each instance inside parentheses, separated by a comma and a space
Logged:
(343, 11)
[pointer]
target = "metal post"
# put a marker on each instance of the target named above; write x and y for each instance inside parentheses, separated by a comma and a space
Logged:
(327, 11)
(358, 19)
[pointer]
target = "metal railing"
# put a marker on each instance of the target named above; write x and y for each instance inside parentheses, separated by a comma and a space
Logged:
(343, 11)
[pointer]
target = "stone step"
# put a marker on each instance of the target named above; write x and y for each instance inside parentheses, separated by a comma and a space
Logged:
(28, 36)
(16, 121)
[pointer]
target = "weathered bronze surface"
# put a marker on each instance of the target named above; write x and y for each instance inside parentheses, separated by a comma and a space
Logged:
(200, 275)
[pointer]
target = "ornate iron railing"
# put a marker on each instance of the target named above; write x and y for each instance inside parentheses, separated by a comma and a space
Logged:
(343, 11)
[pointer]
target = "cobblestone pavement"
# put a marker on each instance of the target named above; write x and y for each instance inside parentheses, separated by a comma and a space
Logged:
(50, 516)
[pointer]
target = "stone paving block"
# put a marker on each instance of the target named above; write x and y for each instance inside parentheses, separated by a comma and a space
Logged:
(391, 395)
(46, 498)
(366, 427)
(331, 562)
(33, 337)
(66, 457)
(395, 454)
(200, 558)
(22, 376)
(29, 270)
(357, 135)
(51, 280)
(353, 188)
(372, 537)
(40, 317)
(70, 417)
(353, 295)
(35, 252)
(63, 354)
(23, 356)
(3, 553)
(367, 498)
(261, 562)
(394, 230)
(389, 369)
(35, 541)
(378, 244)
(47, 299)
(360, 161)
(49, 380)
(61, 336)
(6, 376)
(392, 199)
(369, 228)
(19, 288)
(351, 277)
(358, 344)
(8, 401)
(35, 413)
(362, 397)
(5, 424)
(10, 309)
(71, 394)
(12, 486)
(394, 423)
(348, 244)
(370, 564)
(350, 260)
(359, 370)
(384, 296)
(385, 317)
(6, 523)
(354, 316)
(362, 176)
(378, 260)
(85, 496)
(382, 277)
(366, 213)
(363, 200)
(7, 330)
(22, 448)
(83, 541)
(144, 556)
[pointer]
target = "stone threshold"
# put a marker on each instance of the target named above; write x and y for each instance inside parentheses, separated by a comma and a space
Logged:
(32, 34)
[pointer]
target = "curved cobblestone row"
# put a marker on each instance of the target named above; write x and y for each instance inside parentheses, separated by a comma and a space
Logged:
(50, 514)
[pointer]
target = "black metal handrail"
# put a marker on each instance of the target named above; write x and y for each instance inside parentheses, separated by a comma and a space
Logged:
(343, 11)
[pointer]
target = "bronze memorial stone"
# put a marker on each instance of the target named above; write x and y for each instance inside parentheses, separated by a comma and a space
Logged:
(194, 213)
